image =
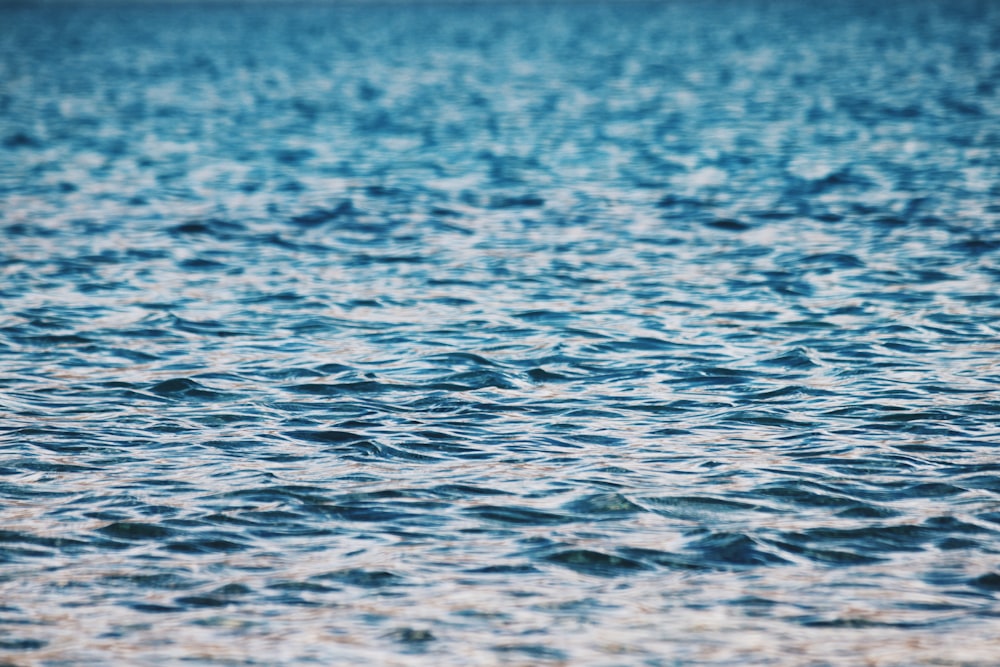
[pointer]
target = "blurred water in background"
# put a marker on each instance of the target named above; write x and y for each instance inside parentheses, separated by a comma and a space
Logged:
(512, 334)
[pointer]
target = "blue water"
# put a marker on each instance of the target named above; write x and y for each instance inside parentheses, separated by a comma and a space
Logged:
(500, 334)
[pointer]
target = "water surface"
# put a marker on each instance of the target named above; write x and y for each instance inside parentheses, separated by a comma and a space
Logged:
(500, 334)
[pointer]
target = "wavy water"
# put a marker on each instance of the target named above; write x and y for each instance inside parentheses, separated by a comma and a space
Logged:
(500, 334)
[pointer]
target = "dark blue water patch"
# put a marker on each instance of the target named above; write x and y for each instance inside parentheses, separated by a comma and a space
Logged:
(728, 550)
(16, 644)
(207, 545)
(363, 578)
(987, 582)
(877, 539)
(136, 531)
(795, 359)
(183, 388)
(517, 515)
(595, 563)
(329, 437)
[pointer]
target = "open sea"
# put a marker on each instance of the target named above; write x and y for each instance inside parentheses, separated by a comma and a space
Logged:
(500, 334)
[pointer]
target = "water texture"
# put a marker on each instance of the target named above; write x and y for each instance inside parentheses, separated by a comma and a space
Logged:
(500, 334)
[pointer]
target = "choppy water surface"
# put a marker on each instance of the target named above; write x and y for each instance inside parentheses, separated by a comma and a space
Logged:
(650, 334)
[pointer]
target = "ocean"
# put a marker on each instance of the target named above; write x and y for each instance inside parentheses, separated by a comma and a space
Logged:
(500, 333)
